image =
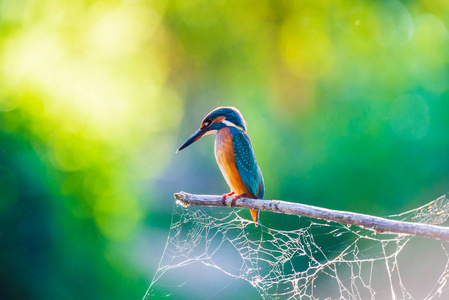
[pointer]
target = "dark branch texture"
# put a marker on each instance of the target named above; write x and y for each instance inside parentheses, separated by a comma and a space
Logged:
(380, 225)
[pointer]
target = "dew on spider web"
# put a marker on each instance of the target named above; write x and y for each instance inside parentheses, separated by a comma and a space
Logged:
(318, 260)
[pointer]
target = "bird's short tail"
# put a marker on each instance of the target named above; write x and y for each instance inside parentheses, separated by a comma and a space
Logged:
(255, 215)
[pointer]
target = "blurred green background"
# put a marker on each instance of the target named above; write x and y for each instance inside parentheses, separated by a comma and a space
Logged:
(347, 105)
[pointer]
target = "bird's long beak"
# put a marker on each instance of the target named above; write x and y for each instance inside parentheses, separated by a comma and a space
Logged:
(196, 136)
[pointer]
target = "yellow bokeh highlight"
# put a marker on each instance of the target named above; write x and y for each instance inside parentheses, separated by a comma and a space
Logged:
(71, 151)
(117, 215)
(306, 47)
(429, 44)
(115, 31)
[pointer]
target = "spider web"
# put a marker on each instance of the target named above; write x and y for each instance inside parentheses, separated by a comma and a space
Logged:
(318, 260)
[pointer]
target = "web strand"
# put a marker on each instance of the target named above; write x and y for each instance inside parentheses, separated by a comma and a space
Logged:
(319, 260)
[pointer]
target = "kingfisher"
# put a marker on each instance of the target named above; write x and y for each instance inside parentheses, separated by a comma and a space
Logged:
(234, 154)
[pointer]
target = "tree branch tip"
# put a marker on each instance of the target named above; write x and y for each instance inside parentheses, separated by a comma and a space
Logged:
(181, 199)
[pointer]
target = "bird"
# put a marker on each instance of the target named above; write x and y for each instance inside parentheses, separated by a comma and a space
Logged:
(234, 154)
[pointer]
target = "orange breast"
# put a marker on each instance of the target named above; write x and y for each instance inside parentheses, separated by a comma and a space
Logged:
(224, 154)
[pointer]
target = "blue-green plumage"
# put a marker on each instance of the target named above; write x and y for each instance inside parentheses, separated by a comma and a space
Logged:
(246, 163)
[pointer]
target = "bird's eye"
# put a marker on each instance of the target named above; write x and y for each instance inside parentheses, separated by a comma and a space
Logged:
(205, 124)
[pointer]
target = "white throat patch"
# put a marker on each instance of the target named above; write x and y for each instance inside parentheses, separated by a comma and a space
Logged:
(229, 123)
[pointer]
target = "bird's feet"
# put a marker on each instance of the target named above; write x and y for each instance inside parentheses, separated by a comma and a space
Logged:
(236, 198)
(223, 199)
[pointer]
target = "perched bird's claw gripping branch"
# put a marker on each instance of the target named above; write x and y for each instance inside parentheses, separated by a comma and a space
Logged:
(380, 225)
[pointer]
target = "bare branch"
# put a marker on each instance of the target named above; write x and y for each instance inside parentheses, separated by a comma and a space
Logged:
(378, 224)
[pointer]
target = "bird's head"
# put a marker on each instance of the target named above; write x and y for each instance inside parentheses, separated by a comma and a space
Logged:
(217, 119)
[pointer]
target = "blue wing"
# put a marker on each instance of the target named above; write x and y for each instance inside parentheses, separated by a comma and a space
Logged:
(246, 163)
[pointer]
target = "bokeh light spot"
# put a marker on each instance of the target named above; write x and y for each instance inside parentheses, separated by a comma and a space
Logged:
(117, 215)
(391, 23)
(121, 30)
(71, 151)
(306, 48)
(430, 31)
